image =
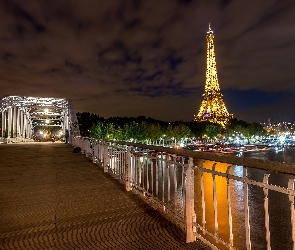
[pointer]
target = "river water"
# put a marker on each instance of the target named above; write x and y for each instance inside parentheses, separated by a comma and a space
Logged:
(279, 204)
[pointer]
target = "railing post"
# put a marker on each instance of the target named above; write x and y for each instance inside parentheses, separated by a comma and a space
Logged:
(265, 191)
(87, 147)
(246, 207)
(291, 199)
(83, 148)
(100, 149)
(230, 218)
(128, 170)
(189, 201)
(215, 201)
(105, 157)
(95, 153)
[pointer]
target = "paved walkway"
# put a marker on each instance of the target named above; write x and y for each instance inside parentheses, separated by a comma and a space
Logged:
(52, 198)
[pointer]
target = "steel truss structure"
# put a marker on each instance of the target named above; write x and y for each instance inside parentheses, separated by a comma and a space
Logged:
(212, 108)
(21, 114)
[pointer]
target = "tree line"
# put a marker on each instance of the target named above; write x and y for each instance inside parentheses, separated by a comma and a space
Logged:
(149, 130)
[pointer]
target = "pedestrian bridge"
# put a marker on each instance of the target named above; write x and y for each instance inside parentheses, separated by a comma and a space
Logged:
(24, 116)
(133, 196)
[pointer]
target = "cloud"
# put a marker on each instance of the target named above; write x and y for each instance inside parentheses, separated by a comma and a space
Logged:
(111, 56)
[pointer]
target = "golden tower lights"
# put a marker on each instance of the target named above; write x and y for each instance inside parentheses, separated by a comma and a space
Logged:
(212, 107)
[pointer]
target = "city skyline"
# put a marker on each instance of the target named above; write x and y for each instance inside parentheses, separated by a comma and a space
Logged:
(139, 58)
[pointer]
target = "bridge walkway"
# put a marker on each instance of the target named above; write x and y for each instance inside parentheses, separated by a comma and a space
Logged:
(52, 198)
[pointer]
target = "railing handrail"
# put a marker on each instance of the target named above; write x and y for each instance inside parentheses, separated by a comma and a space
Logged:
(151, 171)
(272, 166)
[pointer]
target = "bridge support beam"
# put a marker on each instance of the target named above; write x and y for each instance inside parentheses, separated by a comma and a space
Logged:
(4, 125)
(15, 123)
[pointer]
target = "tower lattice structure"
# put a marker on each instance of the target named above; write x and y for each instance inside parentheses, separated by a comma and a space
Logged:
(212, 108)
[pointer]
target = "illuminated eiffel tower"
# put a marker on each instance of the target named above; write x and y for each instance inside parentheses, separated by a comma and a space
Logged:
(212, 107)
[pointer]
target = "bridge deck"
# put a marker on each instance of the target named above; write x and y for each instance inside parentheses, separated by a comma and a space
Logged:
(52, 198)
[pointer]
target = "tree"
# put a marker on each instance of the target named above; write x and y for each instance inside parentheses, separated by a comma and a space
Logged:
(198, 129)
(135, 131)
(181, 132)
(143, 135)
(213, 130)
(236, 127)
(155, 132)
(99, 130)
(86, 120)
(127, 130)
(256, 129)
(111, 131)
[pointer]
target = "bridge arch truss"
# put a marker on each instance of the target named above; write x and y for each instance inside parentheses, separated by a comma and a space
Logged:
(22, 114)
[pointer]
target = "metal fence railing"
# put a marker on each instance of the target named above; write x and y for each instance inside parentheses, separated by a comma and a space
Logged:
(226, 201)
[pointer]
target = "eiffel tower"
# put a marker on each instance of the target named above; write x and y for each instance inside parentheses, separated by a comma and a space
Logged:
(212, 107)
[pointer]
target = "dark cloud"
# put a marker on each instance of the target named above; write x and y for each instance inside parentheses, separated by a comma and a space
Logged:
(224, 3)
(75, 68)
(21, 15)
(135, 57)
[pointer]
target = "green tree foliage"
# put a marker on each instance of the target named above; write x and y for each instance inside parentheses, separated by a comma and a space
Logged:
(182, 132)
(148, 130)
(169, 134)
(143, 135)
(198, 129)
(236, 127)
(86, 120)
(155, 132)
(117, 135)
(213, 130)
(99, 130)
(135, 132)
(110, 131)
(239, 127)
(255, 128)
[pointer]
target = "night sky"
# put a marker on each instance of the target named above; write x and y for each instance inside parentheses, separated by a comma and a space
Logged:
(148, 58)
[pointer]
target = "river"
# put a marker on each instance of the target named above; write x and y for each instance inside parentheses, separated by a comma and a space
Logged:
(279, 204)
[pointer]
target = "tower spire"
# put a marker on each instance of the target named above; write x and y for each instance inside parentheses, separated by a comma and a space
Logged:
(210, 31)
(212, 108)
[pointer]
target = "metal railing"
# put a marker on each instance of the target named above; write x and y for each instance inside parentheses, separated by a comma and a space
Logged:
(202, 192)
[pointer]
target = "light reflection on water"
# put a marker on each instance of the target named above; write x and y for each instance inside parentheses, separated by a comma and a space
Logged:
(279, 205)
